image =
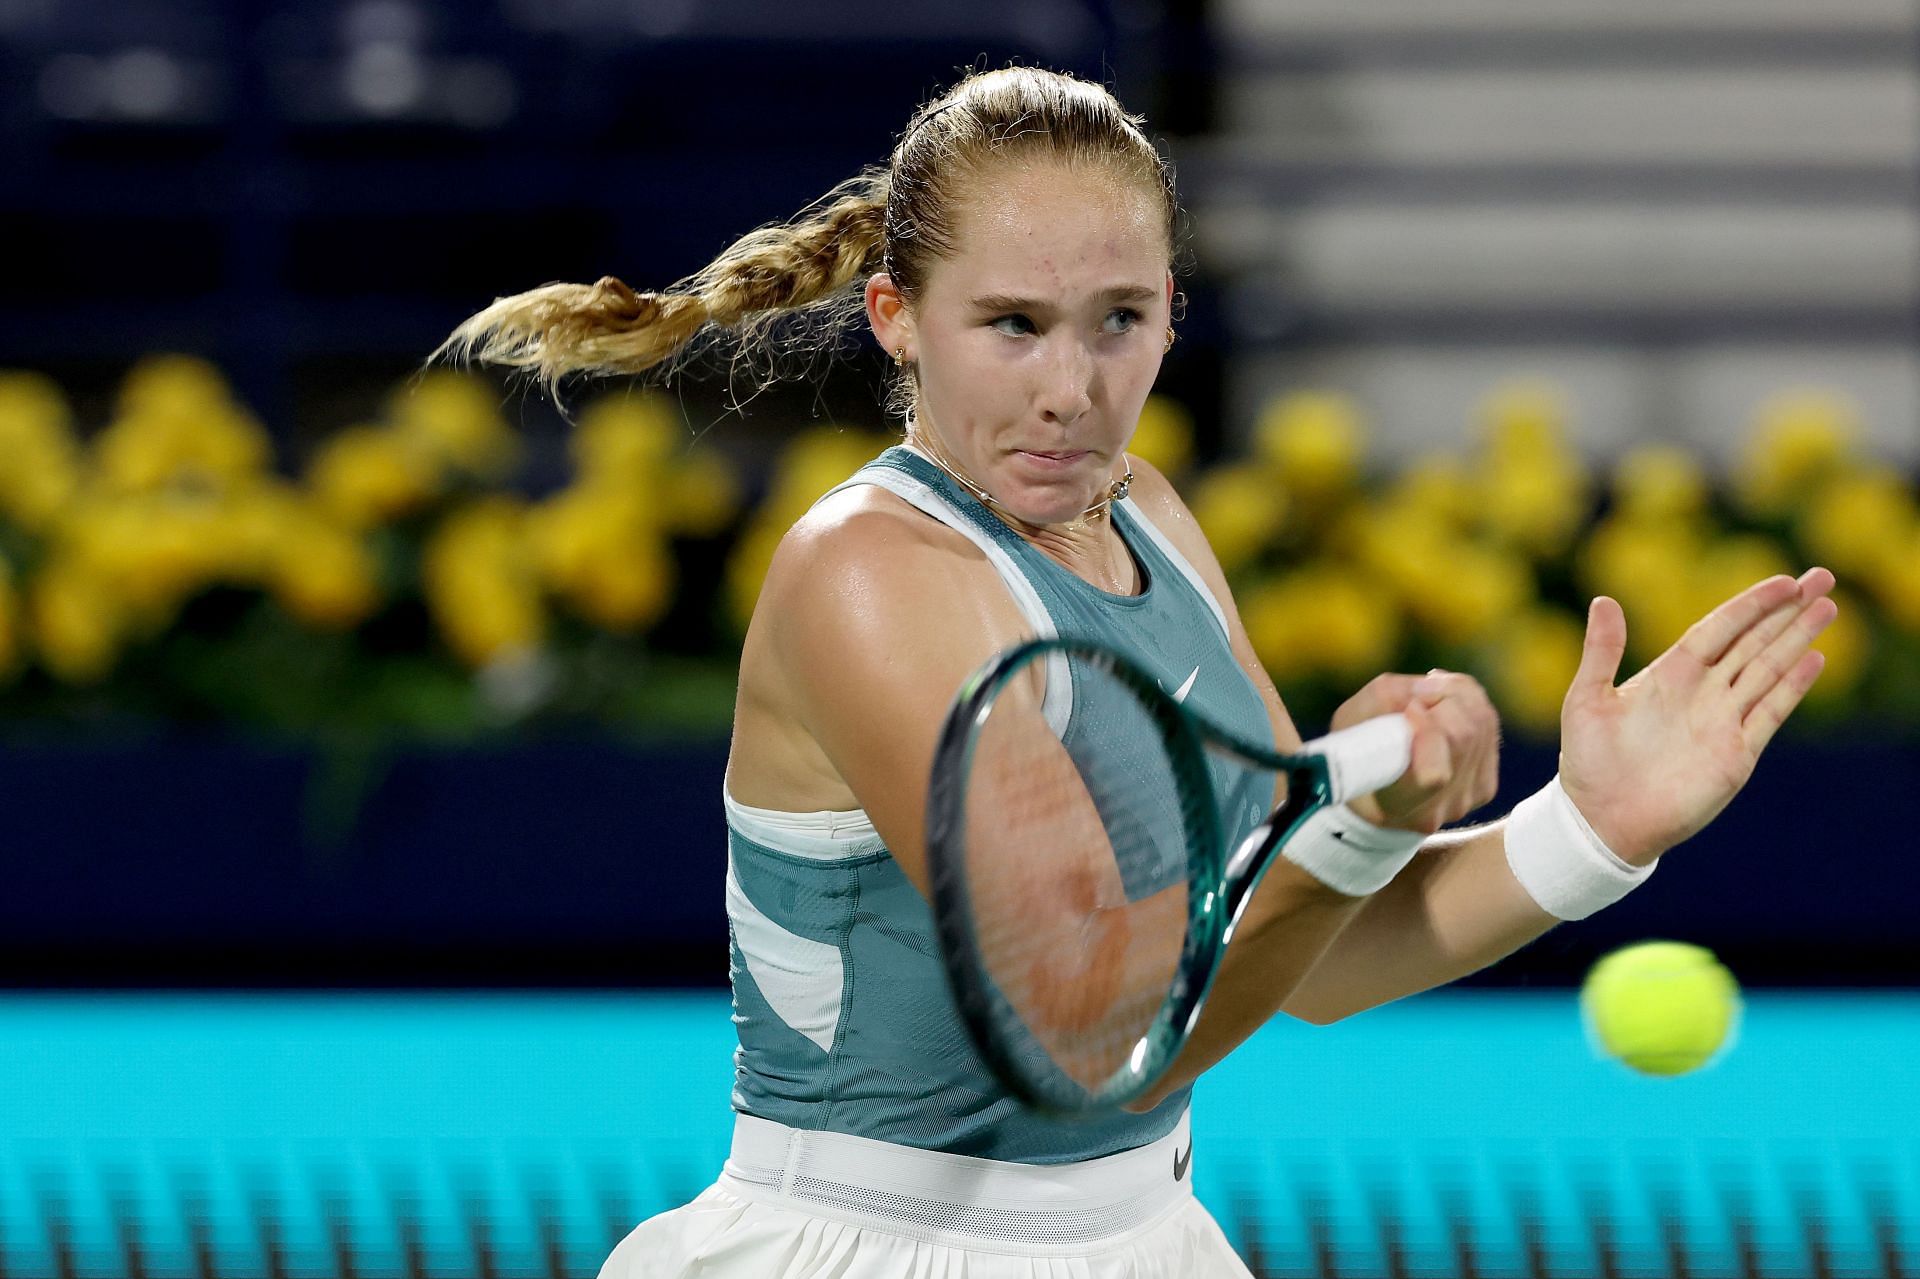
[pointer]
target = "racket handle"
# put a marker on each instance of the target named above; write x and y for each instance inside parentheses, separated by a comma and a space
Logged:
(1365, 757)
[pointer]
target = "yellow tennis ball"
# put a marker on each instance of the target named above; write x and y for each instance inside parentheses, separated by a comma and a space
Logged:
(1662, 1007)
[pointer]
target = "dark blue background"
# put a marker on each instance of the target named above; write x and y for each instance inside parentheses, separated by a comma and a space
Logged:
(592, 862)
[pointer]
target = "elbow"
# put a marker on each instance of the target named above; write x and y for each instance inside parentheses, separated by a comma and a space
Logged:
(1318, 1014)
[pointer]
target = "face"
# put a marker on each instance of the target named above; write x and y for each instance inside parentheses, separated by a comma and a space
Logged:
(1038, 340)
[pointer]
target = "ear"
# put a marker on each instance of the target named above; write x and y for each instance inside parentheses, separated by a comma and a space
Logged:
(888, 314)
(1170, 296)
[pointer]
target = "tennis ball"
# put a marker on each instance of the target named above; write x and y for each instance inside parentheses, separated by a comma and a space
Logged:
(1662, 1007)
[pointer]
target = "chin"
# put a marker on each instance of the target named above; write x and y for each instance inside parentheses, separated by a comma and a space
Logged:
(1048, 508)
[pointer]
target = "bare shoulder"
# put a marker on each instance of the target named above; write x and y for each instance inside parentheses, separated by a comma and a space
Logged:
(871, 616)
(865, 555)
(865, 589)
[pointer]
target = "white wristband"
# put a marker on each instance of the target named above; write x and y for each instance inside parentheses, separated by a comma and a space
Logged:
(1349, 854)
(1559, 859)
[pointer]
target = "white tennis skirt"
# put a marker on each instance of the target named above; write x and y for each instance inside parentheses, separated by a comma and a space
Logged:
(813, 1205)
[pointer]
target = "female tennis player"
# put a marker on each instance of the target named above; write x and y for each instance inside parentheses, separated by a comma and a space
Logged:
(1013, 259)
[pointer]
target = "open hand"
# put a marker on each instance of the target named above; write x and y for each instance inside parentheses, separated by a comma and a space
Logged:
(1652, 761)
(1455, 766)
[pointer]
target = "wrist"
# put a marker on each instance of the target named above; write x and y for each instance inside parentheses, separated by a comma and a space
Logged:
(1561, 861)
(1348, 853)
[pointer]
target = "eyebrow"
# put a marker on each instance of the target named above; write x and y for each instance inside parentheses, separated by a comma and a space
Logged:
(1007, 302)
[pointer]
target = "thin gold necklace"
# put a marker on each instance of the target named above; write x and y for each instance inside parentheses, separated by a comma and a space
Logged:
(1098, 510)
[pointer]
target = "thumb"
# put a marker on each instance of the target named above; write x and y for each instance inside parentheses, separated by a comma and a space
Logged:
(1606, 645)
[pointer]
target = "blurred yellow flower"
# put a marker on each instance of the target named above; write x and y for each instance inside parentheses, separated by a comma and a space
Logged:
(1646, 565)
(598, 547)
(1530, 665)
(1659, 482)
(1799, 436)
(1440, 487)
(365, 476)
(74, 623)
(152, 551)
(1314, 440)
(1847, 644)
(326, 577)
(627, 588)
(1452, 588)
(747, 567)
(1535, 502)
(252, 527)
(178, 424)
(35, 397)
(1277, 628)
(480, 583)
(813, 463)
(10, 638)
(1525, 418)
(630, 438)
(1733, 563)
(455, 418)
(1532, 487)
(1855, 516)
(1405, 546)
(39, 458)
(1241, 507)
(1894, 580)
(1479, 590)
(1164, 435)
(1324, 618)
(140, 453)
(173, 386)
(704, 495)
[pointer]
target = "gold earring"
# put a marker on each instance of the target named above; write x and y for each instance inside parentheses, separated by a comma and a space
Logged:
(900, 358)
(1171, 338)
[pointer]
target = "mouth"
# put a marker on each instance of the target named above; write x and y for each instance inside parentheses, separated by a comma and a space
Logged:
(1052, 458)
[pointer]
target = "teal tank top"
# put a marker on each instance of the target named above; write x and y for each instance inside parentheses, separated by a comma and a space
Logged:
(842, 1008)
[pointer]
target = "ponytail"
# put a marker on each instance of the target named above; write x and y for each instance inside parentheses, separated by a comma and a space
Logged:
(763, 280)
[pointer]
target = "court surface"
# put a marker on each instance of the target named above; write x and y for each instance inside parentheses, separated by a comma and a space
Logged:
(520, 1134)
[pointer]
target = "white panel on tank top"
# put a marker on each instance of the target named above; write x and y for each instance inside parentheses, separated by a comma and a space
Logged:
(801, 979)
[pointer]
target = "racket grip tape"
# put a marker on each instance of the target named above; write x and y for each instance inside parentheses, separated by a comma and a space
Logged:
(1367, 756)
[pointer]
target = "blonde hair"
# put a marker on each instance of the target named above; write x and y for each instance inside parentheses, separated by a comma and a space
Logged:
(790, 288)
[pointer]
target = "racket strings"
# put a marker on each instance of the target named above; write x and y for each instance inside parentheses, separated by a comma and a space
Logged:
(1077, 861)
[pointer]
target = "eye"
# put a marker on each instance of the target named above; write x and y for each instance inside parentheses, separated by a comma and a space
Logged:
(1122, 319)
(1015, 325)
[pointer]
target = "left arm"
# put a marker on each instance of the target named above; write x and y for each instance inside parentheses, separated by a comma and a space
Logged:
(1455, 909)
(1647, 764)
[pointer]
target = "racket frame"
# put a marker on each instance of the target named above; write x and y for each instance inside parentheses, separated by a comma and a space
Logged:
(1220, 882)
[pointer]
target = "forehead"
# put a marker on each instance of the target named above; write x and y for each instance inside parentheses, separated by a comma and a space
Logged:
(1021, 228)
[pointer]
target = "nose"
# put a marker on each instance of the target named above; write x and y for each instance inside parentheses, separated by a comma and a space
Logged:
(1066, 388)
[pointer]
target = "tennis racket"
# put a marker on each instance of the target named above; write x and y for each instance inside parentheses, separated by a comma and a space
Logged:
(1091, 843)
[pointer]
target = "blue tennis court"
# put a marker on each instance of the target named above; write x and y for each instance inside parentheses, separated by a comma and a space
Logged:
(520, 1134)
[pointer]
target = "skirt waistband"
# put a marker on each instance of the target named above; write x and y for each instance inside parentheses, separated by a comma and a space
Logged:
(959, 1198)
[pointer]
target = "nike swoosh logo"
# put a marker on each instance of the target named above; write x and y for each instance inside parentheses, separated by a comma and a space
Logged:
(1181, 1161)
(1187, 687)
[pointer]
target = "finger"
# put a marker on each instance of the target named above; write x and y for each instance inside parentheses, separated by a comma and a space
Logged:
(1432, 761)
(1815, 582)
(1774, 662)
(1606, 643)
(1765, 719)
(1756, 638)
(1710, 637)
(1383, 694)
(1466, 719)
